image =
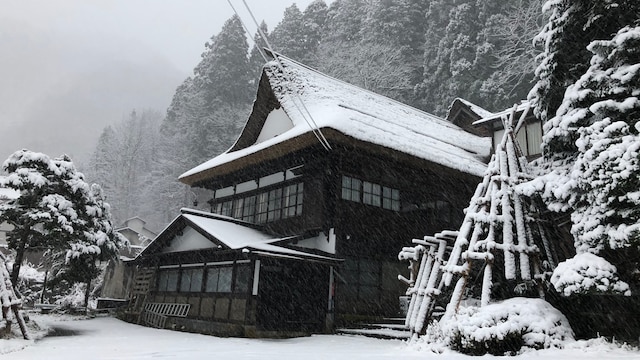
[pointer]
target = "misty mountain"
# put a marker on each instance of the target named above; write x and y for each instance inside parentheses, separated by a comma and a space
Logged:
(56, 99)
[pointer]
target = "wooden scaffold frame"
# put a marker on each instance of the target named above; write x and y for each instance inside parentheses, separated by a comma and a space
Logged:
(500, 225)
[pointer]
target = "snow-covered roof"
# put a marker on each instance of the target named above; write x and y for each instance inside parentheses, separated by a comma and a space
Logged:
(478, 110)
(233, 234)
(497, 116)
(360, 114)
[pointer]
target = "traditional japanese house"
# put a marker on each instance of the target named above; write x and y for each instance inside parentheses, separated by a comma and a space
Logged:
(307, 211)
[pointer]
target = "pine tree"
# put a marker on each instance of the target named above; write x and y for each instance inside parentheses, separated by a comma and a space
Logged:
(345, 19)
(223, 73)
(34, 176)
(288, 36)
(605, 101)
(314, 19)
(572, 25)
(591, 139)
(88, 237)
(256, 55)
(122, 161)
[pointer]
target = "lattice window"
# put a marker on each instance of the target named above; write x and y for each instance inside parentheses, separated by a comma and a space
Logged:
(292, 200)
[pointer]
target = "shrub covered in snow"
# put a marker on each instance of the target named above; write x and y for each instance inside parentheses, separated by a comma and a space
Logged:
(588, 273)
(507, 327)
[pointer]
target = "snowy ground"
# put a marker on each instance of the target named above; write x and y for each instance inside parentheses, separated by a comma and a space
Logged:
(109, 338)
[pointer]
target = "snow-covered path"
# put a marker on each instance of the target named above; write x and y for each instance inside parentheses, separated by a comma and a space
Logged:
(109, 338)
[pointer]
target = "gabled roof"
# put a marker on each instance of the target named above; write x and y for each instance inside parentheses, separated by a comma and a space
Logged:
(225, 233)
(475, 109)
(504, 113)
(340, 108)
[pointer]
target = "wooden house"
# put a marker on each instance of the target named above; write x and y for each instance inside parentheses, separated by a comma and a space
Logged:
(308, 209)
(477, 120)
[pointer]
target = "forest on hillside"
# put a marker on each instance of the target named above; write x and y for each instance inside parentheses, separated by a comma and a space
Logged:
(424, 53)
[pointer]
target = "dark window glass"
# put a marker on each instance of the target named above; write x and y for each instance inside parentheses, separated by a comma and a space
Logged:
(262, 207)
(351, 188)
(226, 208)
(292, 200)
(249, 210)
(275, 204)
(191, 280)
(243, 275)
(224, 279)
(390, 198)
(218, 279)
(371, 193)
(238, 208)
(172, 280)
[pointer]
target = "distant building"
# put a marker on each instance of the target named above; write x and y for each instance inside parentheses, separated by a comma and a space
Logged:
(137, 233)
(118, 277)
(302, 234)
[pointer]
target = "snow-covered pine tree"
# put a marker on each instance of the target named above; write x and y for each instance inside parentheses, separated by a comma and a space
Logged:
(90, 237)
(591, 144)
(256, 55)
(606, 173)
(33, 213)
(572, 25)
(344, 23)
(288, 36)
(314, 19)
(223, 73)
(122, 162)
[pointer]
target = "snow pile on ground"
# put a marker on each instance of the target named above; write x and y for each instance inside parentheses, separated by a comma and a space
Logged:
(588, 273)
(14, 341)
(108, 338)
(505, 328)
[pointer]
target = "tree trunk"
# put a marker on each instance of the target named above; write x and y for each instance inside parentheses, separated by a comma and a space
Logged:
(86, 297)
(44, 286)
(15, 271)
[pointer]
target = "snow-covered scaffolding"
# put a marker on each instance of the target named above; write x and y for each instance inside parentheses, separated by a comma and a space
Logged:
(424, 283)
(501, 230)
(11, 303)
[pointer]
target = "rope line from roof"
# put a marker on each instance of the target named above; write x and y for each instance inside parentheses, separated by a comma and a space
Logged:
(299, 104)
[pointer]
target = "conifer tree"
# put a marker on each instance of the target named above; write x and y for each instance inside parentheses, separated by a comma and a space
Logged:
(314, 19)
(572, 25)
(288, 35)
(34, 176)
(257, 55)
(605, 102)
(223, 73)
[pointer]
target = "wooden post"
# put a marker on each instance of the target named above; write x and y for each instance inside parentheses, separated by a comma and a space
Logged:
(9, 301)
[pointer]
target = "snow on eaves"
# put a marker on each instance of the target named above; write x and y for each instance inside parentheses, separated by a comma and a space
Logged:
(239, 235)
(497, 116)
(481, 112)
(365, 116)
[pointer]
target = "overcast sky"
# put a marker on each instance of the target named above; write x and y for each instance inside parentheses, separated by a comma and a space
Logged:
(69, 67)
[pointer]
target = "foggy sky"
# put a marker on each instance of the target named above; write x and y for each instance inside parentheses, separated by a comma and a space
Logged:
(70, 67)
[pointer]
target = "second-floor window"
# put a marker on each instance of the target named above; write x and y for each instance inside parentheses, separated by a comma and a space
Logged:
(266, 206)
(369, 193)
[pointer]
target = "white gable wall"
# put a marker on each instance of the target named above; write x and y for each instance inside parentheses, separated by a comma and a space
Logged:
(189, 240)
(277, 122)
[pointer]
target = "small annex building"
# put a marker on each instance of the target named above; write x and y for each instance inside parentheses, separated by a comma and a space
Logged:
(307, 211)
